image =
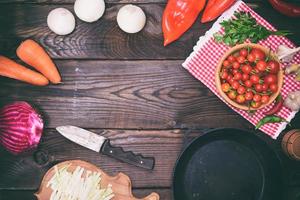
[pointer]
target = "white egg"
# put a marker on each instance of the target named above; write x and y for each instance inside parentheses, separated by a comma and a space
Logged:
(131, 18)
(89, 10)
(61, 21)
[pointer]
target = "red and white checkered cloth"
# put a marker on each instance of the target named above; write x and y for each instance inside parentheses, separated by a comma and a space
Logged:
(203, 61)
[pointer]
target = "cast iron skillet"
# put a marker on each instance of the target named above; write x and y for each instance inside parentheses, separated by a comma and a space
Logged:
(228, 164)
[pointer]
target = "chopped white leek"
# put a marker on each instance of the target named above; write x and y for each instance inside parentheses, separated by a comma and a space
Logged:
(78, 185)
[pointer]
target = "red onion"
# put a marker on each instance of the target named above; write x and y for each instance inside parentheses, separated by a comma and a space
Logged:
(21, 127)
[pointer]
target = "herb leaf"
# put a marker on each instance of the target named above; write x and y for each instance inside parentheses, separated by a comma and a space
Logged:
(242, 27)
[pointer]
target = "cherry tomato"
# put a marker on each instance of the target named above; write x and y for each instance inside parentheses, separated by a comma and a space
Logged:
(249, 96)
(241, 59)
(235, 85)
(273, 66)
(251, 57)
(234, 71)
(273, 87)
(255, 104)
(231, 81)
(225, 87)
(244, 52)
(248, 83)
(224, 75)
(265, 99)
(247, 69)
(241, 90)
(261, 66)
(232, 94)
(235, 65)
(258, 88)
(226, 63)
(231, 58)
(257, 98)
(258, 54)
(240, 99)
(237, 76)
(270, 79)
(265, 87)
(254, 79)
(229, 77)
(245, 77)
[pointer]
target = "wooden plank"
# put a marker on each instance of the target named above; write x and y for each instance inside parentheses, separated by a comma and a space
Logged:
(165, 194)
(72, 1)
(100, 40)
(127, 95)
(26, 172)
(103, 39)
(106, 1)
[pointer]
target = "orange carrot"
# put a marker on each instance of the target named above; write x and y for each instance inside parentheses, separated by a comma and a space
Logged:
(34, 55)
(11, 69)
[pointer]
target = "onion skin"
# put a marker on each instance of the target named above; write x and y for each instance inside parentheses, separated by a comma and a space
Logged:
(21, 127)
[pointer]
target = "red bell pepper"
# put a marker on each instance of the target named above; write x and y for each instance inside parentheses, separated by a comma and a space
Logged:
(286, 8)
(178, 17)
(215, 8)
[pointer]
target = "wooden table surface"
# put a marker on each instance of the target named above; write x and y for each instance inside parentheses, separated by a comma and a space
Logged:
(126, 87)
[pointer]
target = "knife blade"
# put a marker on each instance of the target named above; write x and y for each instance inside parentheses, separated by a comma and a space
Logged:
(102, 144)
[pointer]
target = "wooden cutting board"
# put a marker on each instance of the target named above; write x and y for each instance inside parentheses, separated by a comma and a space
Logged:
(121, 184)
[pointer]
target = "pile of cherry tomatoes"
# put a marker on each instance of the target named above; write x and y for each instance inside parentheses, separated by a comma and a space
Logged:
(249, 77)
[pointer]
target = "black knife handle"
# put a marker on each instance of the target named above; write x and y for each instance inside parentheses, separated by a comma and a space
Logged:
(127, 156)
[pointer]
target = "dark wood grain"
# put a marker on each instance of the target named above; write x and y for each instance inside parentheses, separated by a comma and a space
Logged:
(26, 171)
(28, 194)
(165, 194)
(60, 2)
(106, 1)
(148, 105)
(125, 94)
(103, 39)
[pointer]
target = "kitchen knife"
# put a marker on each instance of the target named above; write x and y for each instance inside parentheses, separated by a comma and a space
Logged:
(101, 144)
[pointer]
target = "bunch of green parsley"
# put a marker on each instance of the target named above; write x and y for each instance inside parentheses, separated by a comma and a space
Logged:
(243, 26)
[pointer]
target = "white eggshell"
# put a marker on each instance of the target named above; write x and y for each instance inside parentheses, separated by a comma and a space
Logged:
(131, 18)
(61, 21)
(89, 10)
